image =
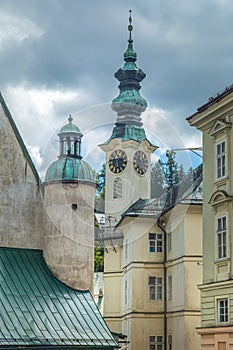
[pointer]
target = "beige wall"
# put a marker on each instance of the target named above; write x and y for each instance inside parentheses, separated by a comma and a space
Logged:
(22, 215)
(215, 122)
(69, 243)
(140, 316)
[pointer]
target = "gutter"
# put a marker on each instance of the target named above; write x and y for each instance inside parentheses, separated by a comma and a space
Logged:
(161, 225)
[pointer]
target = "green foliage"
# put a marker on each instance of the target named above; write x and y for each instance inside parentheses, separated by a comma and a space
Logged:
(169, 177)
(99, 259)
(170, 169)
(100, 190)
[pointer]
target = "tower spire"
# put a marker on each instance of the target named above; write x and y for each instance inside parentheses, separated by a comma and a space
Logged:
(129, 104)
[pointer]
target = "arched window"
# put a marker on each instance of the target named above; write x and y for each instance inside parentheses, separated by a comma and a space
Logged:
(117, 188)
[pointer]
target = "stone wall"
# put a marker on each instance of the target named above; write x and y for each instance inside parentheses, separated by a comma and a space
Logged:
(21, 206)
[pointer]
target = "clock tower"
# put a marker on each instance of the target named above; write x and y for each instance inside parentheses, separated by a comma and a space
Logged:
(128, 151)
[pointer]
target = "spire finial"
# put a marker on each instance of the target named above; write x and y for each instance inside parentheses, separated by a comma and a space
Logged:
(130, 27)
(70, 119)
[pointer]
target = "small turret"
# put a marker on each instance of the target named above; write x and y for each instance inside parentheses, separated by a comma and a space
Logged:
(69, 192)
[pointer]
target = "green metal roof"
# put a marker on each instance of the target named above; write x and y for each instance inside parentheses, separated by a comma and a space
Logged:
(69, 128)
(37, 310)
(127, 132)
(69, 168)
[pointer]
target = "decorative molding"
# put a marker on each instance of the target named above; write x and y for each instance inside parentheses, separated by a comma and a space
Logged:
(220, 125)
(219, 197)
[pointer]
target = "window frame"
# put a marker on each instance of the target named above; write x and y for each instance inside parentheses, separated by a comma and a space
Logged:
(169, 285)
(155, 242)
(117, 188)
(169, 241)
(221, 160)
(221, 237)
(155, 288)
(226, 313)
(155, 342)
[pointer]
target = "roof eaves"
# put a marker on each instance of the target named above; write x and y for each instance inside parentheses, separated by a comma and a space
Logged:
(212, 100)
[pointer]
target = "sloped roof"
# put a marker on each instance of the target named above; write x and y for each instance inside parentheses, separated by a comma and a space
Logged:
(189, 194)
(37, 310)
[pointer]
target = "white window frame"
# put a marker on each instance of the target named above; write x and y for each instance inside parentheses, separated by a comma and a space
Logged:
(155, 242)
(155, 342)
(155, 288)
(223, 312)
(221, 237)
(221, 160)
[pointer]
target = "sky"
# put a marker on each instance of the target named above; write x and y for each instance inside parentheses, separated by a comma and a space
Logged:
(58, 57)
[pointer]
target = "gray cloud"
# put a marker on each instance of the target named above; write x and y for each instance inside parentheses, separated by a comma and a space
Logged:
(185, 48)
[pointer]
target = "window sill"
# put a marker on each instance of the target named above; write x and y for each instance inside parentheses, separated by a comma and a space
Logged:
(221, 181)
(218, 261)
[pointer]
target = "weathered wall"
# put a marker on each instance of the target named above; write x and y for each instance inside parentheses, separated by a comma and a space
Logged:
(69, 237)
(21, 207)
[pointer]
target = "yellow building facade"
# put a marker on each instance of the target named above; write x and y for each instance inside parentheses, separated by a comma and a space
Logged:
(153, 246)
(214, 119)
(151, 280)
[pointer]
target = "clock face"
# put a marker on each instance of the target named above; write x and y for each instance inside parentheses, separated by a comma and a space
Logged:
(140, 162)
(117, 161)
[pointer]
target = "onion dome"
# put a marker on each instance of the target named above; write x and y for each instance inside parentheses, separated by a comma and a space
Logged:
(70, 166)
(129, 104)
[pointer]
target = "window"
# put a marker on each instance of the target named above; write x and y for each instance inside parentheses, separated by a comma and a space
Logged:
(155, 342)
(223, 310)
(169, 282)
(169, 342)
(126, 292)
(221, 160)
(169, 241)
(221, 237)
(117, 188)
(155, 288)
(155, 242)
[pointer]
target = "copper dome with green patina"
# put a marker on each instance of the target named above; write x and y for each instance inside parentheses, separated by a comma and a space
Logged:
(69, 169)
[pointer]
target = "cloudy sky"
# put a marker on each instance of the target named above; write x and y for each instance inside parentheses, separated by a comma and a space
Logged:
(58, 57)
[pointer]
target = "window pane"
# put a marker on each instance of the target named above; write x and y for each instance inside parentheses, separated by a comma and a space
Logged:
(159, 247)
(152, 280)
(224, 223)
(152, 246)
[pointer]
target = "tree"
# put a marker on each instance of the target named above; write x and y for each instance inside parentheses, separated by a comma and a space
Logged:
(170, 169)
(100, 190)
(157, 180)
(98, 259)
